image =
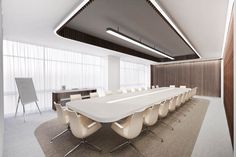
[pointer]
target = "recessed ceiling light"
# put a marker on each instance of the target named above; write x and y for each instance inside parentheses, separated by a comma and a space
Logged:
(135, 42)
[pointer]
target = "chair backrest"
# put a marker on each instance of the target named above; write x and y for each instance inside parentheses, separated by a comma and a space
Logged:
(153, 87)
(134, 125)
(128, 90)
(172, 86)
(182, 86)
(178, 101)
(183, 99)
(151, 115)
(119, 91)
(77, 124)
(108, 93)
(75, 97)
(172, 103)
(61, 114)
(164, 108)
(157, 86)
(93, 95)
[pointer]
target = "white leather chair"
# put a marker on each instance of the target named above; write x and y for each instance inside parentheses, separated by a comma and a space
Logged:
(119, 91)
(82, 127)
(172, 86)
(153, 87)
(172, 107)
(178, 104)
(75, 97)
(129, 128)
(128, 90)
(157, 86)
(93, 95)
(62, 118)
(108, 93)
(163, 112)
(150, 118)
(182, 86)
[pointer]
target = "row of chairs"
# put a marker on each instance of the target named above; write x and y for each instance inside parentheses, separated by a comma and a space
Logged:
(129, 128)
(95, 94)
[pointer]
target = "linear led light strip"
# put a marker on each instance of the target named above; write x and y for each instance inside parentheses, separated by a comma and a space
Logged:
(136, 96)
(158, 7)
(135, 42)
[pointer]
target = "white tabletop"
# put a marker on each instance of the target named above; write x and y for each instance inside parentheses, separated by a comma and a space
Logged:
(118, 106)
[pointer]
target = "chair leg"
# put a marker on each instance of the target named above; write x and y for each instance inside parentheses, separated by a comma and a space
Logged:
(132, 145)
(175, 118)
(167, 125)
(178, 111)
(58, 135)
(73, 149)
(120, 145)
(155, 135)
(93, 146)
(83, 141)
(147, 129)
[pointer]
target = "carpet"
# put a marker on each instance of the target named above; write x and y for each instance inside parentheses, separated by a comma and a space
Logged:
(177, 143)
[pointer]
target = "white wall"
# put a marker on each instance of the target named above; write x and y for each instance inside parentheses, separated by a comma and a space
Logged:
(113, 64)
(1, 86)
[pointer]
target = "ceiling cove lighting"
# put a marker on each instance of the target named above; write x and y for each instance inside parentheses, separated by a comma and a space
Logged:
(158, 7)
(135, 42)
(80, 6)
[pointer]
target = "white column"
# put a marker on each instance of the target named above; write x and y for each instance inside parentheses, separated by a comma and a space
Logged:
(1, 86)
(113, 73)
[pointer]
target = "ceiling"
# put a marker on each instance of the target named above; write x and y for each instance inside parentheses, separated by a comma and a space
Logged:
(33, 21)
(135, 18)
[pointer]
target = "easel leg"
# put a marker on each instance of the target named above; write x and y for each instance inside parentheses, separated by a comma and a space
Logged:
(23, 111)
(38, 107)
(18, 101)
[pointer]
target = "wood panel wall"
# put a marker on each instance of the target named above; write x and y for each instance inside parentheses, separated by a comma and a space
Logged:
(228, 80)
(206, 75)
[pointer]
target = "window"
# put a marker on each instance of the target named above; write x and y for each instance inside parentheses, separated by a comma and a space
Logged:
(134, 75)
(50, 69)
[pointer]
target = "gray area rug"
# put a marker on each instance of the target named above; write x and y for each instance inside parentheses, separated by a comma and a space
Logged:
(177, 143)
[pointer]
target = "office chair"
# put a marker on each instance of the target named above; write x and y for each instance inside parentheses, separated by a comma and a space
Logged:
(150, 118)
(128, 90)
(178, 105)
(172, 86)
(172, 107)
(153, 87)
(163, 112)
(93, 95)
(130, 128)
(157, 86)
(82, 127)
(182, 86)
(75, 97)
(62, 118)
(108, 93)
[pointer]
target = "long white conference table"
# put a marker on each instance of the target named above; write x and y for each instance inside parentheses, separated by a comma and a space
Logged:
(115, 107)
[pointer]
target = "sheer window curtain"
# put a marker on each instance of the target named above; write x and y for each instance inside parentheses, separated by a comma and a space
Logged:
(134, 75)
(50, 69)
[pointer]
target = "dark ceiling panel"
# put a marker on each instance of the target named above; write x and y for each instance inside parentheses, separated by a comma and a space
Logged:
(135, 18)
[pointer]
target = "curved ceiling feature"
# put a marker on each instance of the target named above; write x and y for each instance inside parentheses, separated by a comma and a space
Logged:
(137, 19)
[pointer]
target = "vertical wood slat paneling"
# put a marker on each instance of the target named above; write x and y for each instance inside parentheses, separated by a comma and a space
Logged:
(228, 80)
(205, 75)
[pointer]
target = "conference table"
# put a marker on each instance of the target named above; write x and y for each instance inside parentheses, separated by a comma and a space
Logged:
(115, 107)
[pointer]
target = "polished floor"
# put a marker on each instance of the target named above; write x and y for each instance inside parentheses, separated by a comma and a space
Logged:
(213, 139)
